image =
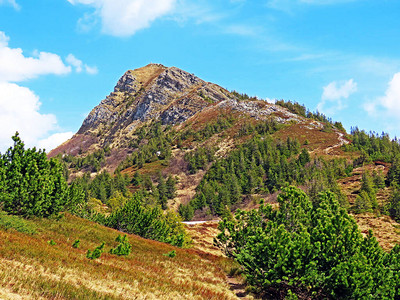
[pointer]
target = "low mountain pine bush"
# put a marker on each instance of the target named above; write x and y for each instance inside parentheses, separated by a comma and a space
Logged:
(123, 248)
(313, 249)
(76, 244)
(96, 252)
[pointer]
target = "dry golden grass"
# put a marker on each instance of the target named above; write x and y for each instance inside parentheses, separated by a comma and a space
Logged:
(385, 229)
(147, 74)
(31, 268)
(203, 237)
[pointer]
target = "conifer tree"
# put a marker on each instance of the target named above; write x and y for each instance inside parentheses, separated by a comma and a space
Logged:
(170, 186)
(33, 185)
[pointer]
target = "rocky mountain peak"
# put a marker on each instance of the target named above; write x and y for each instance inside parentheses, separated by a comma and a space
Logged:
(153, 92)
(133, 80)
(166, 94)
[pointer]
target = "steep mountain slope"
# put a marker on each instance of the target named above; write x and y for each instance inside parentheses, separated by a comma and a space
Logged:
(150, 93)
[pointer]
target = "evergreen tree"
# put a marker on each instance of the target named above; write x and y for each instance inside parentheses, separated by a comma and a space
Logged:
(304, 157)
(367, 186)
(394, 204)
(137, 179)
(312, 248)
(32, 185)
(162, 192)
(170, 186)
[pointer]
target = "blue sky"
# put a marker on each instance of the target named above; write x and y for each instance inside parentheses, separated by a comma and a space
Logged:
(60, 58)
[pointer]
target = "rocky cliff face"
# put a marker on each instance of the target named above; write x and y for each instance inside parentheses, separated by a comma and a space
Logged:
(153, 92)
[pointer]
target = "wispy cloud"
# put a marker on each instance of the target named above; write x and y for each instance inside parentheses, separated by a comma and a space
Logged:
(12, 3)
(80, 66)
(124, 17)
(241, 30)
(333, 95)
(289, 5)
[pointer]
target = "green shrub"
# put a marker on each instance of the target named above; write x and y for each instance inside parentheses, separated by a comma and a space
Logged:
(52, 243)
(96, 252)
(123, 248)
(148, 222)
(171, 254)
(76, 244)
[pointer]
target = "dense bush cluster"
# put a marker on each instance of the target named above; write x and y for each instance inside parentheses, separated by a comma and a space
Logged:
(148, 222)
(310, 248)
(30, 184)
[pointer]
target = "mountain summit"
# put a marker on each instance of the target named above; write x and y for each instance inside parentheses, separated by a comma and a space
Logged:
(155, 92)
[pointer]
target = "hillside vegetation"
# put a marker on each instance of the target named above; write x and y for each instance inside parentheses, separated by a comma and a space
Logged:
(306, 210)
(33, 267)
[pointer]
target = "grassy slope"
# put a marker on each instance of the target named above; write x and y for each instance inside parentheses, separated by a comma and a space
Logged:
(31, 268)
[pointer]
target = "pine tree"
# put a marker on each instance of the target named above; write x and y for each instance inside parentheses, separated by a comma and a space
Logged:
(32, 185)
(304, 157)
(137, 179)
(394, 204)
(170, 186)
(367, 186)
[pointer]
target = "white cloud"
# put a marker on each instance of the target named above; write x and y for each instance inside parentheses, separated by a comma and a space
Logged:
(20, 106)
(19, 111)
(333, 94)
(73, 61)
(124, 17)
(13, 3)
(91, 70)
(390, 102)
(79, 65)
(14, 66)
(54, 141)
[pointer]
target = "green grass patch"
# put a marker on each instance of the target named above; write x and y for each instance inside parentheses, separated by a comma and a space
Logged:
(16, 223)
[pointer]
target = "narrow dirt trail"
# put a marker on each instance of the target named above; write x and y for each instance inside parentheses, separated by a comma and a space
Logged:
(238, 288)
(341, 142)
